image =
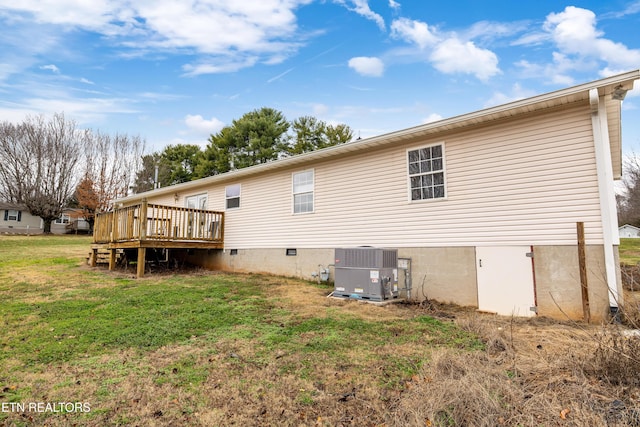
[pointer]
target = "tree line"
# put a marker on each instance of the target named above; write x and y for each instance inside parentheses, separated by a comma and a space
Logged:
(260, 136)
(50, 164)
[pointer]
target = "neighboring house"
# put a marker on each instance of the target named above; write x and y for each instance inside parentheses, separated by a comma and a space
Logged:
(485, 204)
(627, 231)
(71, 221)
(16, 219)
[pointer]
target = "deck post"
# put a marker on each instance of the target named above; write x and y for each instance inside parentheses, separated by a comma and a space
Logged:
(142, 252)
(143, 220)
(112, 259)
(114, 226)
(94, 257)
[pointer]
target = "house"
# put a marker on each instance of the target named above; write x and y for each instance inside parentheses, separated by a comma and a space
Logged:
(628, 231)
(487, 206)
(72, 221)
(16, 219)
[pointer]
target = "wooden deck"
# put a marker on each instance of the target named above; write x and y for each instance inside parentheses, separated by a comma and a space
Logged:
(147, 225)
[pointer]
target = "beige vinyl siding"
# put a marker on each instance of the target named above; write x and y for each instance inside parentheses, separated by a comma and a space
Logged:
(520, 182)
(167, 200)
(615, 135)
(523, 182)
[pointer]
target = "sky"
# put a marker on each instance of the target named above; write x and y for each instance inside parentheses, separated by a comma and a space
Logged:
(175, 72)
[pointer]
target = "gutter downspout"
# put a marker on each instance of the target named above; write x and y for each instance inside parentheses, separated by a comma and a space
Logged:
(606, 191)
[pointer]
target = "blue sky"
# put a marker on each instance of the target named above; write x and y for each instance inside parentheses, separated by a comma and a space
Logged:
(177, 71)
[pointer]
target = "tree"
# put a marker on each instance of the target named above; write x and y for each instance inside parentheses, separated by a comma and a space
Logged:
(261, 136)
(182, 161)
(175, 164)
(311, 134)
(111, 164)
(39, 164)
(217, 157)
(87, 199)
(257, 137)
(628, 201)
(146, 175)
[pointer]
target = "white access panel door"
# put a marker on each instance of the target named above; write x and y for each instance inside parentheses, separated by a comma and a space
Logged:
(505, 280)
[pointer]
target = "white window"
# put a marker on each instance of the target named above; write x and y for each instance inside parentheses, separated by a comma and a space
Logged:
(232, 194)
(426, 173)
(303, 192)
(12, 215)
(196, 223)
(196, 202)
(64, 219)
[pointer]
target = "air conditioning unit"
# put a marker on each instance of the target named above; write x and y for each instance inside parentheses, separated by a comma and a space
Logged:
(366, 273)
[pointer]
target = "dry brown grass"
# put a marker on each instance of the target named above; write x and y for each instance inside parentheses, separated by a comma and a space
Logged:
(533, 372)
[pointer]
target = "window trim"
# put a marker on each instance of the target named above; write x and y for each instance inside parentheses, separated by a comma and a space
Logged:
(312, 192)
(227, 198)
(443, 170)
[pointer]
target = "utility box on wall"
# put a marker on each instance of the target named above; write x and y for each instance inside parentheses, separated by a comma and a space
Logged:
(366, 273)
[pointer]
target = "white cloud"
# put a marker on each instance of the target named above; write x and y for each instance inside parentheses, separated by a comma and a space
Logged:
(517, 93)
(448, 53)
(367, 66)
(219, 65)
(215, 27)
(572, 28)
(394, 5)
(85, 110)
(319, 110)
(51, 68)
(580, 45)
(203, 126)
(265, 29)
(557, 72)
(433, 117)
(415, 32)
(361, 7)
(456, 56)
(489, 30)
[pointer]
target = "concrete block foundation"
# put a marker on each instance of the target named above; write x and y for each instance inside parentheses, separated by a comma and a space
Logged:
(444, 274)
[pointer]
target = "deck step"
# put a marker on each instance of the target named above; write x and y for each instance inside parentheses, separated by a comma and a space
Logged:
(103, 255)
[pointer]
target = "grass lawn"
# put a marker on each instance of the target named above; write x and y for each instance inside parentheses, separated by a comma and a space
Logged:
(82, 346)
(629, 251)
(145, 349)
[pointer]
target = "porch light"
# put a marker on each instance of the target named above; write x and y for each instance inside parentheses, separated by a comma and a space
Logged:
(619, 93)
(176, 197)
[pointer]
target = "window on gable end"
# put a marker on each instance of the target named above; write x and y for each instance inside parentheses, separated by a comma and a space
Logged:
(426, 173)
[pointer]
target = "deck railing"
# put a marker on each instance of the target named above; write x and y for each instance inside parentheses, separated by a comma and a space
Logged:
(158, 222)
